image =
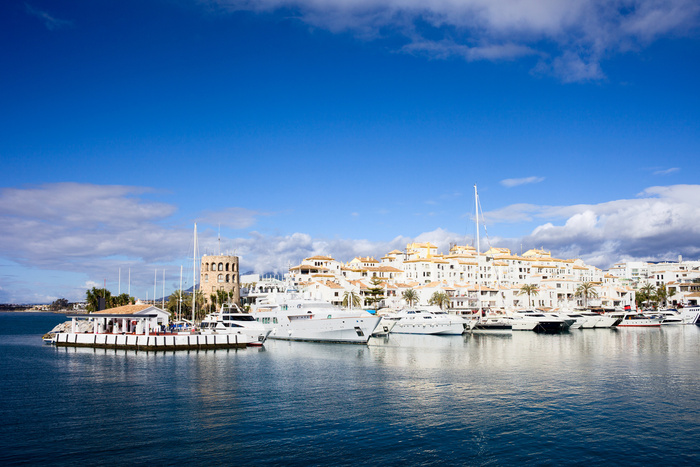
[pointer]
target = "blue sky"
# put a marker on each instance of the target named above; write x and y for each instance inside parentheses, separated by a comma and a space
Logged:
(344, 128)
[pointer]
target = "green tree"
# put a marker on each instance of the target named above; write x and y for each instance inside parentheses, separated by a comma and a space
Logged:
(122, 300)
(351, 299)
(646, 295)
(185, 301)
(662, 295)
(585, 290)
(199, 303)
(375, 293)
(93, 298)
(411, 297)
(440, 299)
(529, 289)
(59, 304)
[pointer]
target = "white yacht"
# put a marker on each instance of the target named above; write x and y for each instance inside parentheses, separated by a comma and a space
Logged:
(423, 321)
(595, 320)
(634, 319)
(667, 317)
(291, 316)
(491, 323)
(691, 315)
(386, 324)
(538, 322)
(231, 320)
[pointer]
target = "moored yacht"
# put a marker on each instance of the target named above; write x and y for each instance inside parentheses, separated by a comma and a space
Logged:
(423, 321)
(691, 315)
(595, 320)
(231, 320)
(538, 322)
(291, 316)
(491, 324)
(634, 319)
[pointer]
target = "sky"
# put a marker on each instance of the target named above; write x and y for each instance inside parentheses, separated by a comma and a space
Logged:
(291, 128)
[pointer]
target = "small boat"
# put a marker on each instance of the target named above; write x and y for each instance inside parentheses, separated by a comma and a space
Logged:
(423, 321)
(231, 320)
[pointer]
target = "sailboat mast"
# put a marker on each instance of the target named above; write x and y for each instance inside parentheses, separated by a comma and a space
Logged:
(179, 298)
(478, 251)
(194, 272)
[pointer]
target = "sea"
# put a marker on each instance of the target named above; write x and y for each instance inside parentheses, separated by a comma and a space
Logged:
(584, 397)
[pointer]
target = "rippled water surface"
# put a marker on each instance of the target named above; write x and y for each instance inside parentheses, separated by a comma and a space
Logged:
(626, 396)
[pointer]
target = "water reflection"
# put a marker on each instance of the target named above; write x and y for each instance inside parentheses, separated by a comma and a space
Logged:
(472, 399)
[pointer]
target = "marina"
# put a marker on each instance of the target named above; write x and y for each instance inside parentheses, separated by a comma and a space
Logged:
(469, 399)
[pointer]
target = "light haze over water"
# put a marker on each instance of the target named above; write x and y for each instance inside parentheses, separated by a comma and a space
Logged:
(625, 396)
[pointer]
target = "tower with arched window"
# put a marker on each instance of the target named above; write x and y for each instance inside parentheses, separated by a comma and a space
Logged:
(220, 273)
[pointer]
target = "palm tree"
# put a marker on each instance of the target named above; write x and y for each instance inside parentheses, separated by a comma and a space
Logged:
(585, 290)
(662, 294)
(529, 289)
(351, 300)
(411, 296)
(440, 299)
(647, 293)
(176, 297)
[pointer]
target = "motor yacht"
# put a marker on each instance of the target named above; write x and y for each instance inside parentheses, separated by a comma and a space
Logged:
(232, 320)
(424, 321)
(293, 316)
(595, 320)
(384, 327)
(690, 315)
(635, 319)
(538, 322)
(491, 323)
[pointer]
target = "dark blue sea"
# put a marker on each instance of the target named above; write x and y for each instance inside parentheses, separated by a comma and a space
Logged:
(587, 397)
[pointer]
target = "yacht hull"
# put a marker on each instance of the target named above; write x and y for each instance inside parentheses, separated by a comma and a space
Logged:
(341, 330)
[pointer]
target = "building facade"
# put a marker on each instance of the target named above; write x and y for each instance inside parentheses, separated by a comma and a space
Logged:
(220, 273)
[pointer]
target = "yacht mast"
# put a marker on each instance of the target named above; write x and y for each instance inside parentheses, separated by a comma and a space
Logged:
(179, 298)
(194, 272)
(478, 252)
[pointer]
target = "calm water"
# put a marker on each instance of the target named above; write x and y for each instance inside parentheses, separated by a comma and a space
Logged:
(586, 397)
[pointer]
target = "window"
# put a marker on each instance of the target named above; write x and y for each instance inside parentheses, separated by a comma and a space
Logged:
(221, 266)
(206, 277)
(221, 278)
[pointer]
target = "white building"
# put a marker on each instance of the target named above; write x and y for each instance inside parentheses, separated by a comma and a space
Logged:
(492, 279)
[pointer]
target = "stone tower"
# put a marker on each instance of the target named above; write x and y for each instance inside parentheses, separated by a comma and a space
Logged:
(220, 272)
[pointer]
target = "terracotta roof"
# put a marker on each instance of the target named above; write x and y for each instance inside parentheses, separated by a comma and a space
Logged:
(123, 310)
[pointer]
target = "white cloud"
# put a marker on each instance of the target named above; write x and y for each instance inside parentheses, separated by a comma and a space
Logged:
(234, 217)
(87, 232)
(569, 37)
(666, 171)
(68, 224)
(52, 23)
(511, 182)
(661, 223)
